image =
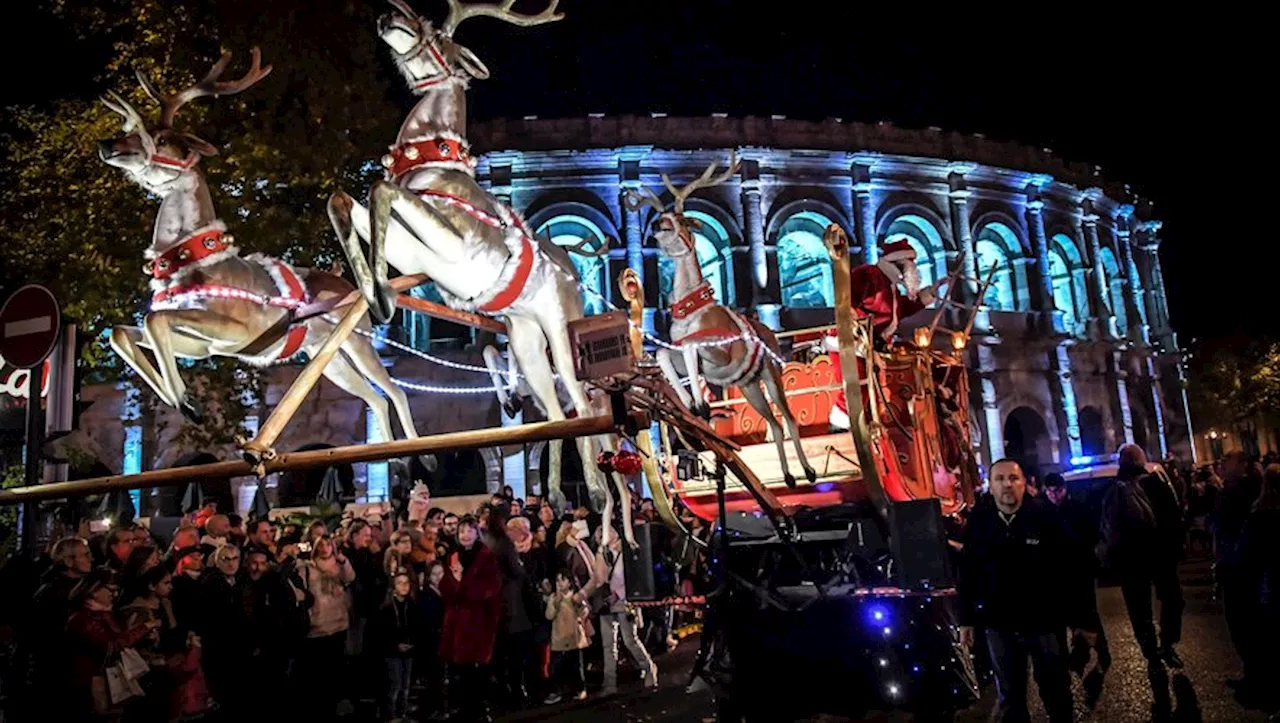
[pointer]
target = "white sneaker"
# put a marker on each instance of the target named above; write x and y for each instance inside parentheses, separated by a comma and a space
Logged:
(838, 419)
(551, 699)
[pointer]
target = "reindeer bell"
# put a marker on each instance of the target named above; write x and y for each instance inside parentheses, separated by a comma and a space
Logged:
(185, 254)
(227, 239)
(162, 264)
(444, 148)
(411, 153)
(388, 161)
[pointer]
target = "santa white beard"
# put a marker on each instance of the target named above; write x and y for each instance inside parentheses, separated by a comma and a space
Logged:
(911, 279)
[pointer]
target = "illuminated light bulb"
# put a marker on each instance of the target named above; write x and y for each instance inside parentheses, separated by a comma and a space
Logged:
(957, 340)
(888, 631)
(923, 337)
(878, 615)
(883, 662)
(893, 689)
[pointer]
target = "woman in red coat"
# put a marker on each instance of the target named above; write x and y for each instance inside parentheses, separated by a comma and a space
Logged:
(471, 592)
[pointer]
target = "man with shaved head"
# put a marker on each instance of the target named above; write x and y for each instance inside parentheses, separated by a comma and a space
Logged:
(1015, 584)
(1141, 542)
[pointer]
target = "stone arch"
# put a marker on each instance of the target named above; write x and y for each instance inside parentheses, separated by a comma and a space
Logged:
(1113, 287)
(1093, 431)
(995, 244)
(924, 231)
(899, 203)
(804, 267)
(1011, 232)
(785, 206)
(1027, 440)
(1072, 285)
(714, 244)
(568, 224)
(578, 201)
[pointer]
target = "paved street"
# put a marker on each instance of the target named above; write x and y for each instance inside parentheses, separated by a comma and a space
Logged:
(1198, 694)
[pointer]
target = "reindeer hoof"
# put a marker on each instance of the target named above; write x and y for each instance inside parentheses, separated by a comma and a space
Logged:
(790, 479)
(398, 470)
(512, 407)
(811, 475)
(191, 410)
(383, 307)
(598, 500)
(429, 463)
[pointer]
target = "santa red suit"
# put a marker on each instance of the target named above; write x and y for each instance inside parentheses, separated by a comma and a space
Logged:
(874, 293)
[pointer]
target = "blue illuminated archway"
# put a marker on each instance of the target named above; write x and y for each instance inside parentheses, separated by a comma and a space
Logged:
(996, 245)
(1112, 285)
(570, 230)
(804, 266)
(1073, 284)
(923, 236)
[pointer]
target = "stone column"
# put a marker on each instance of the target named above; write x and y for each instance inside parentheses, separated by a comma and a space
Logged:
(1042, 281)
(865, 211)
(633, 225)
(1063, 387)
(985, 370)
(1138, 331)
(753, 222)
(1102, 316)
(1158, 405)
(968, 259)
(1120, 409)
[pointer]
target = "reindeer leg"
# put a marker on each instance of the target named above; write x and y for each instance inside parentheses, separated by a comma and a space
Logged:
(381, 198)
(340, 207)
(160, 334)
(773, 383)
(343, 373)
(505, 389)
(528, 346)
(365, 359)
(562, 355)
(754, 395)
(127, 341)
(691, 363)
(667, 363)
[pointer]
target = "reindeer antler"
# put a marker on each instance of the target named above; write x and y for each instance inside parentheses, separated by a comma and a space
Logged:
(133, 122)
(637, 198)
(703, 181)
(583, 248)
(210, 85)
(460, 11)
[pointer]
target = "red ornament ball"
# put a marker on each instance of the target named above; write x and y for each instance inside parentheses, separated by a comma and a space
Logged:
(605, 462)
(627, 463)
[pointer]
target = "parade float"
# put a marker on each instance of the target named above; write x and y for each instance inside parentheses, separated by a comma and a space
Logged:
(834, 589)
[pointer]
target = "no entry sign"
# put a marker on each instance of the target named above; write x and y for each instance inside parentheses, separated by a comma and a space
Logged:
(29, 325)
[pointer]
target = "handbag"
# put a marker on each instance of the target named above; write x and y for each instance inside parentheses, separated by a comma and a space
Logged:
(120, 687)
(133, 664)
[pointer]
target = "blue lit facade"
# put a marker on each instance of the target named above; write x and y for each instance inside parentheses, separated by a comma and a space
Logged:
(1073, 355)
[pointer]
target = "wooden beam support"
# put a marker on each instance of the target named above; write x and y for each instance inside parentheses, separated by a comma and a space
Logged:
(440, 311)
(470, 439)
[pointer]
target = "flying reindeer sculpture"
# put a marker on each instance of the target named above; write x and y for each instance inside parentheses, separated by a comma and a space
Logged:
(208, 300)
(431, 217)
(702, 328)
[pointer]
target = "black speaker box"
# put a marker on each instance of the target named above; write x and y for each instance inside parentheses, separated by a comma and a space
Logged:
(637, 568)
(918, 542)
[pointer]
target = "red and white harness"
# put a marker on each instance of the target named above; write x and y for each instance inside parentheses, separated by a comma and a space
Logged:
(203, 244)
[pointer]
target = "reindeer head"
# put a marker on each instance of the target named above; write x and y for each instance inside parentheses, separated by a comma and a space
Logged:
(428, 56)
(157, 155)
(673, 229)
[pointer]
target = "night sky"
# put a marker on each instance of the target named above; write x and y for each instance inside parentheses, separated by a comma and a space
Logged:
(1143, 97)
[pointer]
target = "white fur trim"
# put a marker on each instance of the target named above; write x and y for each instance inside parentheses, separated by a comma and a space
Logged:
(514, 239)
(178, 277)
(750, 364)
(838, 419)
(446, 135)
(467, 168)
(271, 265)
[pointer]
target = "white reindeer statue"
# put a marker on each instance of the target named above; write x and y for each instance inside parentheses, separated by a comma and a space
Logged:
(703, 328)
(208, 300)
(431, 217)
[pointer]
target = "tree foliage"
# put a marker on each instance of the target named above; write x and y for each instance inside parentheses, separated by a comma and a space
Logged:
(311, 127)
(1234, 381)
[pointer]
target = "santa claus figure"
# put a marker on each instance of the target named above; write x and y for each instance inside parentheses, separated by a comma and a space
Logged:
(887, 292)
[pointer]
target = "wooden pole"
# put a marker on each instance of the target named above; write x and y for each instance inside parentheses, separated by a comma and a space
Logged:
(440, 311)
(470, 439)
(262, 447)
(399, 284)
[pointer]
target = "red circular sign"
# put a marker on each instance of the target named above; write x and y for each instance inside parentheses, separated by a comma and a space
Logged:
(29, 325)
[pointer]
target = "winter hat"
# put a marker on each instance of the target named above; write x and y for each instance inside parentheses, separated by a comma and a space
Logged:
(899, 250)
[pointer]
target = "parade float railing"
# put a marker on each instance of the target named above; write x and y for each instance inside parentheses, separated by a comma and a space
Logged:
(451, 441)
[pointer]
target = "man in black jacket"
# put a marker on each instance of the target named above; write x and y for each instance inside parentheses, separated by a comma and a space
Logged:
(1075, 518)
(1141, 541)
(1012, 583)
